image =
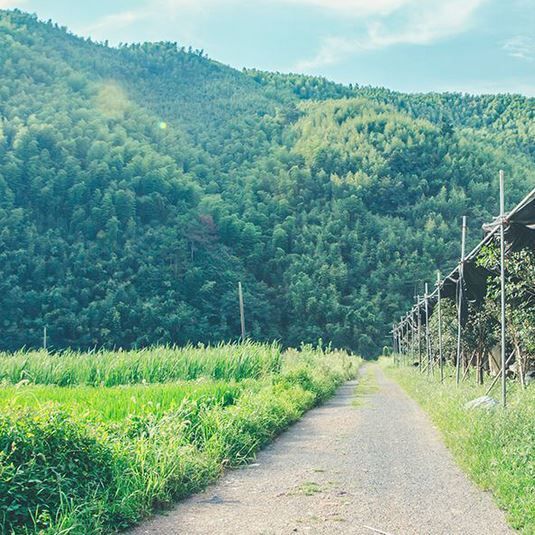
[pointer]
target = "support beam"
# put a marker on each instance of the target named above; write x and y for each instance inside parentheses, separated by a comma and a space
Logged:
(419, 326)
(413, 334)
(499, 375)
(440, 351)
(427, 337)
(502, 285)
(460, 303)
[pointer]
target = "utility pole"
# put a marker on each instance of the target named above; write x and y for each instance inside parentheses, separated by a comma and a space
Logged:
(502, 284)
(242, 311)
(460, 303)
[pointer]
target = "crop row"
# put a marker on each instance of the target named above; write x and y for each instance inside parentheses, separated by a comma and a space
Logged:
(86, 459)
(224, 362)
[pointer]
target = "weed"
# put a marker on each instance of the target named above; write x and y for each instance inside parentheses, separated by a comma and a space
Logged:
(308, 488)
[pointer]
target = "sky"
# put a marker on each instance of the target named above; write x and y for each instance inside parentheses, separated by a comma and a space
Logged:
(474, 46)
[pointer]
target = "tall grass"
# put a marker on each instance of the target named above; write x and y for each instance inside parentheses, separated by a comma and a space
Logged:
(96, 459)
(495, 447)
(226, 362)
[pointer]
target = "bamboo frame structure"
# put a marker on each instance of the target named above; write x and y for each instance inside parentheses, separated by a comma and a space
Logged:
(496, 232)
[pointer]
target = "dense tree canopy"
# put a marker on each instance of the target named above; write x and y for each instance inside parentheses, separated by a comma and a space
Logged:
(139, 184)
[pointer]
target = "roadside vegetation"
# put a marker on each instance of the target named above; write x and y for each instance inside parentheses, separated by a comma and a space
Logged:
(495, 447)
(93, 443)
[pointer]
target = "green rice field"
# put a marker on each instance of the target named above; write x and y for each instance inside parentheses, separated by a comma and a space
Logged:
(93, 443)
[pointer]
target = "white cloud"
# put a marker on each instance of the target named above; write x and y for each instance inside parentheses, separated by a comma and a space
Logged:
(10, 4)
(383, 23)
(152, 13)
(521, 46)
(356, 8)
(116, 20)
(164, 11)
(418, 23)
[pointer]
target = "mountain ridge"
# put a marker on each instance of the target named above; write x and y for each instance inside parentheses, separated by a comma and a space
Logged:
(138, 184)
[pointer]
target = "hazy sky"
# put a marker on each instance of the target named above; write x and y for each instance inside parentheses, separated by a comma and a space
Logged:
(412, 45)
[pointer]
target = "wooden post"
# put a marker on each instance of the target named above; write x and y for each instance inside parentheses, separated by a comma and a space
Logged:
(44, 338)
(460, 304)
(242, 311)
(440, 352)
(502, 284)
(427, 339)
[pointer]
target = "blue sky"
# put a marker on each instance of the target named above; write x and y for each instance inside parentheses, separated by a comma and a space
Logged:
(475, 46)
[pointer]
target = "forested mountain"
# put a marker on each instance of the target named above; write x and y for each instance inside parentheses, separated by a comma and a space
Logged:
(139, 184)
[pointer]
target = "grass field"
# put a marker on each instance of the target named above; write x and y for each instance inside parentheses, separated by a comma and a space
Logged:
(92, 443)
(495, 447)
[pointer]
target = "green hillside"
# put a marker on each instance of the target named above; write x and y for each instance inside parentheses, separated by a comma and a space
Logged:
(138, 184)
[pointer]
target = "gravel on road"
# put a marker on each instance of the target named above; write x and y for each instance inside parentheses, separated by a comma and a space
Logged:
(373, 466)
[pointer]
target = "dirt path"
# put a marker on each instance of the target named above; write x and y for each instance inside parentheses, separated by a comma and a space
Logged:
(376, 467)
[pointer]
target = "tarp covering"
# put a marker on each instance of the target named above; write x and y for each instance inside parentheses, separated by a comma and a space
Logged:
(519, 234)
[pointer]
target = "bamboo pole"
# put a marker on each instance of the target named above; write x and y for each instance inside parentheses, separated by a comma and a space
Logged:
(400, 344)
(427, 339)
(460, 304)
(402, 340)
(398, 331)
(440, 356)
(413, 337)
(502, 284)
(419, 334)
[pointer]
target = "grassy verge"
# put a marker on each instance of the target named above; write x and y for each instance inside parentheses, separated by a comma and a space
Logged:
(95, 459)
(495, 447)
